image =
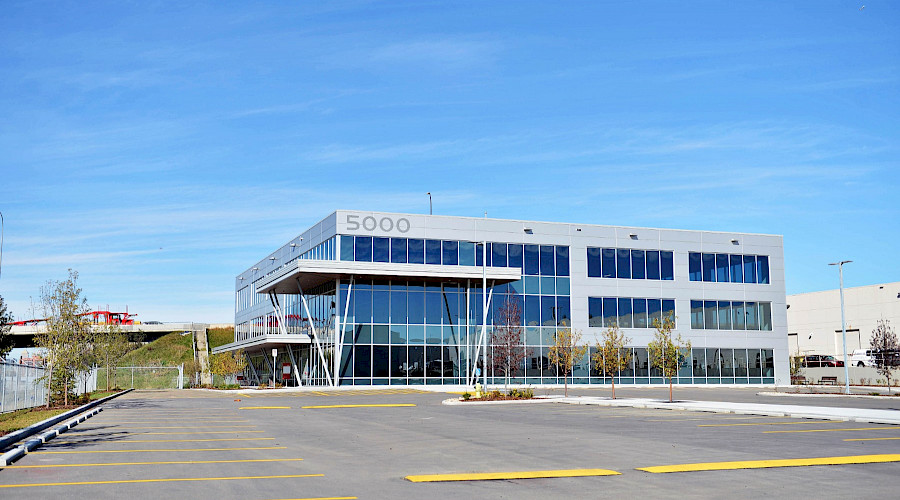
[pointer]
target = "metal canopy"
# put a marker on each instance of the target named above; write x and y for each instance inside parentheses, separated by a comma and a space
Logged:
(311, 273)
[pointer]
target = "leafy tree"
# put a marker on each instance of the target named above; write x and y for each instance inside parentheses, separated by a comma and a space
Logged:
(884, 343)
(612, 356)
(110, 344)
(67, 334)
(508, 351)
(228, 363)
(566, 351)
(666, 350)
(6, 339)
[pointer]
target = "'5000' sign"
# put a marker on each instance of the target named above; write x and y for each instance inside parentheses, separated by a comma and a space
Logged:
(369, 223)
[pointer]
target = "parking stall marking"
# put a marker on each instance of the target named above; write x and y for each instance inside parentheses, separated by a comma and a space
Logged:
(319, 407)
(177, 462)
(490, 476)
(772, 423)
(192, 427)
(126, 441)
(846, 429)
(72, 452)
(764, 464)
(161, 480)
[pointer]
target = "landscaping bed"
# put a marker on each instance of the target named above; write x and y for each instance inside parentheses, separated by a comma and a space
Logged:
(511, 395)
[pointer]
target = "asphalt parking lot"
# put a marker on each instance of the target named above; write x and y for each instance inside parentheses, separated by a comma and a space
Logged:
(365, 443)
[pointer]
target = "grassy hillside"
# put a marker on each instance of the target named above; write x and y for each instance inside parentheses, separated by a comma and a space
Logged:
(173, 349)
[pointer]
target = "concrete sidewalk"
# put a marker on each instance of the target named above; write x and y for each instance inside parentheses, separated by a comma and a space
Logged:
(875, 416)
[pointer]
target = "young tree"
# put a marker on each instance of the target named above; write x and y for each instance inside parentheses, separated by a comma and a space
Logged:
(6, 340)
(67, 334)
(884, 343)
(566, 351)
(612, 356)
(508, 351)
(228, 363)
(110, 344)
(667, 350)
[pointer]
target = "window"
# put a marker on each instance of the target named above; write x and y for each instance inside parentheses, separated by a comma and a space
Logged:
(709, 267)
(498, 254)
(532, 310)
(563, 311)
(722, 268)
(609, 263)
(562, 261)
(381, 251)
(432, 251)
(450, 253)
(548, 267)
(623, 263)
(548, 310)
(398, 250)
(532, 262)
(724, 315)
(668, 309)
(363, 249)
(654, 311)
(765, 316)
(416, 251)
(736, 271)
(638, 265)
(762, 269)
(514, 254)
(749, 269)
(709, 315)
(466, 253)
(593, 262)
(737, 313)
(625, 313)
(346, 247)
(652, 257)
(697, 314)
(639, 310)
(695, 272)
(610, 316)
(595, 311)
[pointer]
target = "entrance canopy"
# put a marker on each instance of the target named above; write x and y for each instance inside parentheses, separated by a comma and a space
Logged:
(311, 273)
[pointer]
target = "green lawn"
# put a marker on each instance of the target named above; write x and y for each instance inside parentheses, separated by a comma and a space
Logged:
(21, 419)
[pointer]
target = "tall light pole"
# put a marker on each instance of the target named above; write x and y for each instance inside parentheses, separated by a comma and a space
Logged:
(844, 325)
(1, 243)
(430, 211)
(484, 311)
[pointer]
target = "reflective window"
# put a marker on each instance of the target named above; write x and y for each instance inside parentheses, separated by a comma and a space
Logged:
(625, 313)
(362, 361)
(398, 307)
(724, 315)
(667, 265)
(381, 307)
(610, 314)
(722, 267)
(434, 308)
(740, 362)
(416, 305)
(466, 253)
(654, 311)
(548, 267)
(710, 315)
(532, 262)
(398, 250)
(381, 251)
(694, 267)
(762, 269)
(363, 248)
(736, 268)
(399, 367)
(765, 316)
(697, 314)
(709, 267)
(668, 309)
(609, 263)
(751, 316)
(652, 257)
(727, 363)
(562, 261)
(638, 265)
(563, 311)
(498, 254)
(548, 311)
(639, 310)
(514, 255)
(749, 269)
(737, 313)
(432, 251)
(713, 363)
(532, 310)
(595, 311)
(347, 248)
(623, 263)
(416, 251)
(449, 253)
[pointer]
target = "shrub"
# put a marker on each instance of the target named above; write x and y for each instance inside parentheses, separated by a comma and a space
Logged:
(466, 396)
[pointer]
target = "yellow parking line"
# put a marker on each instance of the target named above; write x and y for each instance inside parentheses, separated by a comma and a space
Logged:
(679, 419)
(762, 464)
(165, 440)
(124, 481)
(528, 474)
(153, 451)
(264, 408)
(358, 406)
(196, 432)
(846, 429)
(769, 423)
(162, 420)
(873, 439)
(190, 427)
(323, 498)
(180, 462)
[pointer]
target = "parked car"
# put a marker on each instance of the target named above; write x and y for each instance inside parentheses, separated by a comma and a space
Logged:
(819, 361)
(862, 357)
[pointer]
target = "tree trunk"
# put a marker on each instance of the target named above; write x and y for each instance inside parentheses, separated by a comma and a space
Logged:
(670, 389)
(66, 392)
(613, 386)
(566, 384)
(50, 385)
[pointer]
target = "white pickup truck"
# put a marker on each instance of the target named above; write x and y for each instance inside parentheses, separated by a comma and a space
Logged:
(862, 357)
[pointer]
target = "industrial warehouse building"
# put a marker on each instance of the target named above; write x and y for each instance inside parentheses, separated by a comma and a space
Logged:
(399, 298)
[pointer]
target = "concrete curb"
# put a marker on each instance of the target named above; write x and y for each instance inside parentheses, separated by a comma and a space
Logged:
(825, 395)
(80, 416)
(457, 402)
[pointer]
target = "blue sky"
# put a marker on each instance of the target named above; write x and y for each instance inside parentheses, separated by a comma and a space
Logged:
(160, 148)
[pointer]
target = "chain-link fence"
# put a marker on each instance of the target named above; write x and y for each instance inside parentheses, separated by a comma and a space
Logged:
(141, 377)
(22, 386)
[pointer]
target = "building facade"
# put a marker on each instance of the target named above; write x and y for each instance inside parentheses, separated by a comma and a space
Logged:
(814, 319)
(399, 298)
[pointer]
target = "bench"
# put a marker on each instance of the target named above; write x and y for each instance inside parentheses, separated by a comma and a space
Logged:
(798, 380)
(828, 380)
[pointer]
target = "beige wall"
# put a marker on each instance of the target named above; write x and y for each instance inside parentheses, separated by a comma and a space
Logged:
(814, 319)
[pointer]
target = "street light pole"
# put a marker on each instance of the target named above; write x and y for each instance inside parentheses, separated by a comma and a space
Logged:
(430, 211)
(484, 312)
(1, 243)
(844, 325)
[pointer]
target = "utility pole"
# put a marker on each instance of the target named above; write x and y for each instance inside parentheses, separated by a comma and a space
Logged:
(430, 209)
(844, 324)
